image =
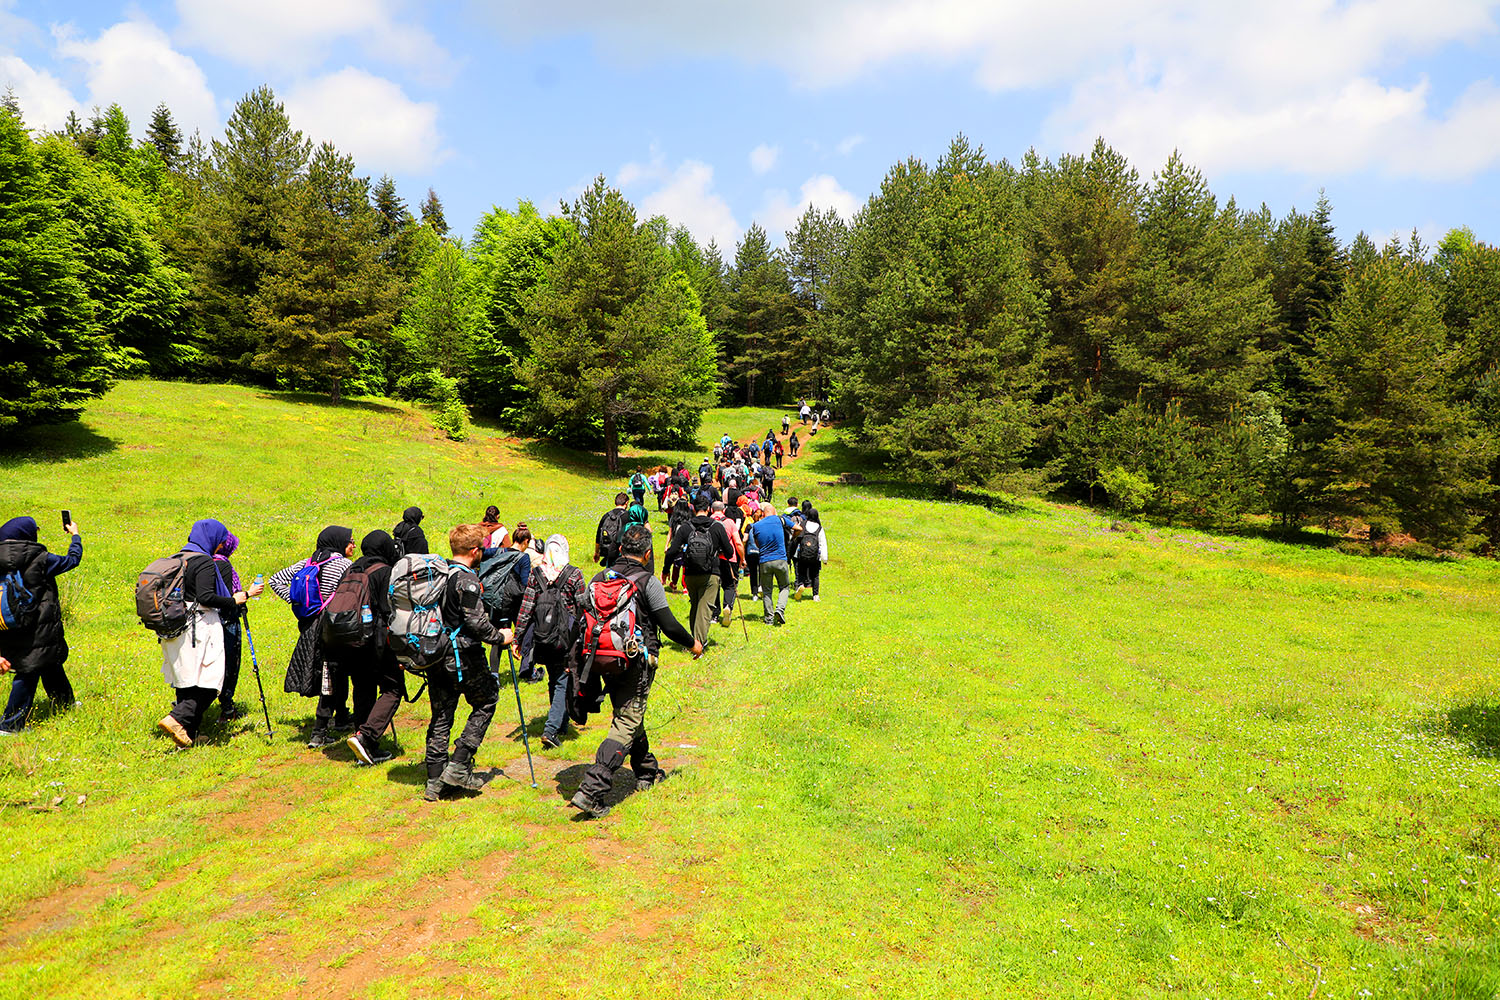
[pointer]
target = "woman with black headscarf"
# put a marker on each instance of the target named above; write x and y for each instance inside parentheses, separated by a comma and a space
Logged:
(35, 653)
(812, 550)
(328, 563)
(410, 538)
(192, 662)
(375, 667)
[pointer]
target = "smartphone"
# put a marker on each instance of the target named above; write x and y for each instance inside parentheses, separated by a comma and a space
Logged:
(67, 519)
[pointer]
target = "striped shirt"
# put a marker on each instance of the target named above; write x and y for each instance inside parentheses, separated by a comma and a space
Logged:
(329, 575)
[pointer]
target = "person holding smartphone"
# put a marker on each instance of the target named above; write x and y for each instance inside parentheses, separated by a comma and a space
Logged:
(35, 651)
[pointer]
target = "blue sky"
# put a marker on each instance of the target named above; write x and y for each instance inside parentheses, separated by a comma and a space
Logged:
(717, 115)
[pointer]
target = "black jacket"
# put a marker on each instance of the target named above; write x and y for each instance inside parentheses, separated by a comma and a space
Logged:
(723, 547)
(31, 650)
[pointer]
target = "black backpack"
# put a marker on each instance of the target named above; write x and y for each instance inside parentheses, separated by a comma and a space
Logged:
(549, 615)
(348, 617)
(610, 530)
(700, 551)
(807, 544)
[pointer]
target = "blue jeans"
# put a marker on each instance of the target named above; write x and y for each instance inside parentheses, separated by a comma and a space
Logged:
(23, 695)
(559, 681)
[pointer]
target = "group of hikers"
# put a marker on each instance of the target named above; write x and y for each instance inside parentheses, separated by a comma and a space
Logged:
(367, 618)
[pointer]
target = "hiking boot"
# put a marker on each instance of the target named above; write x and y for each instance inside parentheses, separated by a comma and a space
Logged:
(434, 789)
(769, 620)
(780, 617)
(462, 776)
(797, 594)
(229, 711)
(321, 738)
(588, 805)
(174, 729)
(550, 741)
(643, 782)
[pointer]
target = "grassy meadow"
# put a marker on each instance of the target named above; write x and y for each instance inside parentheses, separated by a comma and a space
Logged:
(1012, 752)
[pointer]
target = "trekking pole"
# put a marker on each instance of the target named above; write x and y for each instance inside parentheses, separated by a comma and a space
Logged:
(250, 641)
(515, 681)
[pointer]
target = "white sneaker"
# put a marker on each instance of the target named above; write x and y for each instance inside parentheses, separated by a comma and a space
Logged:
(817, 597)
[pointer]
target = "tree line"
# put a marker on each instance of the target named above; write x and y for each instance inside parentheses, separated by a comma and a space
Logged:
(1060, 325)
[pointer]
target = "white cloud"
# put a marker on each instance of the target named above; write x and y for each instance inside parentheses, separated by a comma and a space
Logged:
(687, 198)
(299, 34)
(45, 101)
(763, 158)
(780, 213)
(133, 64)
(1232, 85)
(370, 118)
(849, 144)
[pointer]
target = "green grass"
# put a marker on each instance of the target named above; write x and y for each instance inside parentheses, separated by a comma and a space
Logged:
(1011, 752)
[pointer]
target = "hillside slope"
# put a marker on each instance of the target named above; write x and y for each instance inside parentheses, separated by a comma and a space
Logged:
(1009, 752)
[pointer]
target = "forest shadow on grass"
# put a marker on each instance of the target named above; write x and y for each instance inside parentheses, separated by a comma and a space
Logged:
(1475, 723)
(321, 399)
(54, 442)
(833, 458)
(591, 464)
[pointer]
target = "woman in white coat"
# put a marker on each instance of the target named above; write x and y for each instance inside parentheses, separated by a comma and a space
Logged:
(193, 662)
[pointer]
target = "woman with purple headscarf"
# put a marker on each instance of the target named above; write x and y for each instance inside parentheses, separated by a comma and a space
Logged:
(193, 662)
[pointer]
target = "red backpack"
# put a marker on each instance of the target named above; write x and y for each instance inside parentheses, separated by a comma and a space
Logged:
(610, 633)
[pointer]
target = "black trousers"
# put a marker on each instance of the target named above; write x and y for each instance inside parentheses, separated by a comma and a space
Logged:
(233, 644)
(376, 671)
(482, 692)
(191, 703)
(807, 573)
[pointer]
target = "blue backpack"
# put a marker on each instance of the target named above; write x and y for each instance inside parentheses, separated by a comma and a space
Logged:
(17, 603)
(307, 593)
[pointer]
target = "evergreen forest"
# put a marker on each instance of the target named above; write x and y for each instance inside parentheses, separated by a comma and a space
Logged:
(1073, 325)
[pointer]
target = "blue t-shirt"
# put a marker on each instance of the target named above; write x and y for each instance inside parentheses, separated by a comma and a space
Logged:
(770, 538)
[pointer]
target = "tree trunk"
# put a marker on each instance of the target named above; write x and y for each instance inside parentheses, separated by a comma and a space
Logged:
(611, 442)
(337, 393)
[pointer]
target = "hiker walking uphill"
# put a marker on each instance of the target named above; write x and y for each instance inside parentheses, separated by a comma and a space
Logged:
(611, 527)
(811, 551)
(699, 545)
(550, 608)
(772, 534)
(408, 534)
(32, 644)
(625, 610)
(355, 625)
(193, 656)
(463, 670)
(307, 586)
(638, 486)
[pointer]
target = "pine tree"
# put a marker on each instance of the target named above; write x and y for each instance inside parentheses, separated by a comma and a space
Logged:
(324, 295)
(432, 213)
(942, 326)
(395, 227)
(242, 219)
(614, 334)
(760, 308)
(165, 137)
(1397, 451)
(815, 251)
(12, 107)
